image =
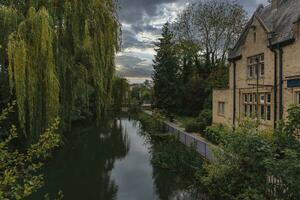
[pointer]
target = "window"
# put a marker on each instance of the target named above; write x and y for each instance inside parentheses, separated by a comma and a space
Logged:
(249, 105)
(297, 99)
(254, 35)
(256, 66)
(221, 108)
(263, 111)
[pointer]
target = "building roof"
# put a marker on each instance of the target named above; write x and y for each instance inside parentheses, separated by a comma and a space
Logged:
(277, 22)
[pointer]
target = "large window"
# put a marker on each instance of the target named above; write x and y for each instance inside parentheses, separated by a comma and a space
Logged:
(250, 104)
(253, 63)
(221, 108)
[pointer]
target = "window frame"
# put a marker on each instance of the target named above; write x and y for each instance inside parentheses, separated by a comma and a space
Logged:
(264, 108)
(251, 66)
(221, 108)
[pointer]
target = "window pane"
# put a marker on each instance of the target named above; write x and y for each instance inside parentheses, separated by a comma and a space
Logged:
(255, 70)
(262, 112)
(262, 98)
(262, 69)
(251, 71)
(246, 98)
(269, 112)
(268, 98)
(221, 108)
(251, 98)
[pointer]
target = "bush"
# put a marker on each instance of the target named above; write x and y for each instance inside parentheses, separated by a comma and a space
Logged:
(215, 133)
(204, 119)
(153, 124)
(199, 125)
(193, 126)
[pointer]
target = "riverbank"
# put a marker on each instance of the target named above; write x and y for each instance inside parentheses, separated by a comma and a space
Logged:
(203, 147)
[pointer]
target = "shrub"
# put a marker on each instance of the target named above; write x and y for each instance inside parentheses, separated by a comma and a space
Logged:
(215, 133)
(198, 125)
(192, 126)
(20, 170)
(204, 119)
(153, 124)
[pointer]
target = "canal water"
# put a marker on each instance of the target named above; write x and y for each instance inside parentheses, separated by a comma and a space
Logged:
(112, 162)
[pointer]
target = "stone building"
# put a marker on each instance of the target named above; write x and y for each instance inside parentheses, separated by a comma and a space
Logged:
(264, 67)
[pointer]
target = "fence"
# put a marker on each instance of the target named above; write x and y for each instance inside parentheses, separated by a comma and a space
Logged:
(205, 149)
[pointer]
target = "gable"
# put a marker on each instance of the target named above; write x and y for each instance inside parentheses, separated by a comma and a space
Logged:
(278, 24)
(254, 24)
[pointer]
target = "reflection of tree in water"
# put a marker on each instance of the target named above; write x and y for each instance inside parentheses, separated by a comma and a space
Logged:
(82, 168)
(168, 185)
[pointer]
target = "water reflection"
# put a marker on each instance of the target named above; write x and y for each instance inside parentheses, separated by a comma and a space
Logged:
(107, 163)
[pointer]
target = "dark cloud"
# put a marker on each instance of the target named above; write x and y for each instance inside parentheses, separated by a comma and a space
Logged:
(141, 21)
(131, 66)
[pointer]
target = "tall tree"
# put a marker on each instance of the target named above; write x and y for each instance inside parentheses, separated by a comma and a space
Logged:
(166, 72)
(59, 56)
(214, 25)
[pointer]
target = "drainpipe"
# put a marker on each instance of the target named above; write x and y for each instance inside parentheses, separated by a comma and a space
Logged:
(280, 83)
(234, 93)
(275, 86)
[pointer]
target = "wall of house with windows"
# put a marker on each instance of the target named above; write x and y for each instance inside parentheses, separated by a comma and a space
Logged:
(255, 81)
(255, 77)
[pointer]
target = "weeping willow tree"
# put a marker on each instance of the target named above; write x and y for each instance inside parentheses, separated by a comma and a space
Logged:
(9, 20)
(32, 72)
(91, 36)
(60, 59)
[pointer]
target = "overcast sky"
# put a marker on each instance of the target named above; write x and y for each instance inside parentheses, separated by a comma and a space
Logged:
(141, 25)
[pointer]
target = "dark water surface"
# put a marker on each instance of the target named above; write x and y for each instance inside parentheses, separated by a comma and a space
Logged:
(111, 162)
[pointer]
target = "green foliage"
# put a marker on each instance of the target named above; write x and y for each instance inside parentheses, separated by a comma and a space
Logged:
(153, 124)
(59, 56)
(200, 123)
(32, 72)
(171, 154)
(255, 163)
(20, 170)
(166, 71)
(215, 133)
(200, 40)
(120, 93)
(240, 166)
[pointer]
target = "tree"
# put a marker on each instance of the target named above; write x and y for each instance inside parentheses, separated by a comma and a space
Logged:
(120, 94)
(214, 26)
(166, 72)
(59, 57)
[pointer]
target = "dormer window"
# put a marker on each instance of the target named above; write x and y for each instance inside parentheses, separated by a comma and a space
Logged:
(256, 63)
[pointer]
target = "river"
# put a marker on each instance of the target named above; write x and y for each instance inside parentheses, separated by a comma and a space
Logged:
(110, 163)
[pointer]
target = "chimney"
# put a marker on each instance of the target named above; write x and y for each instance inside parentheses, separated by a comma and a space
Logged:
(275, 4)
